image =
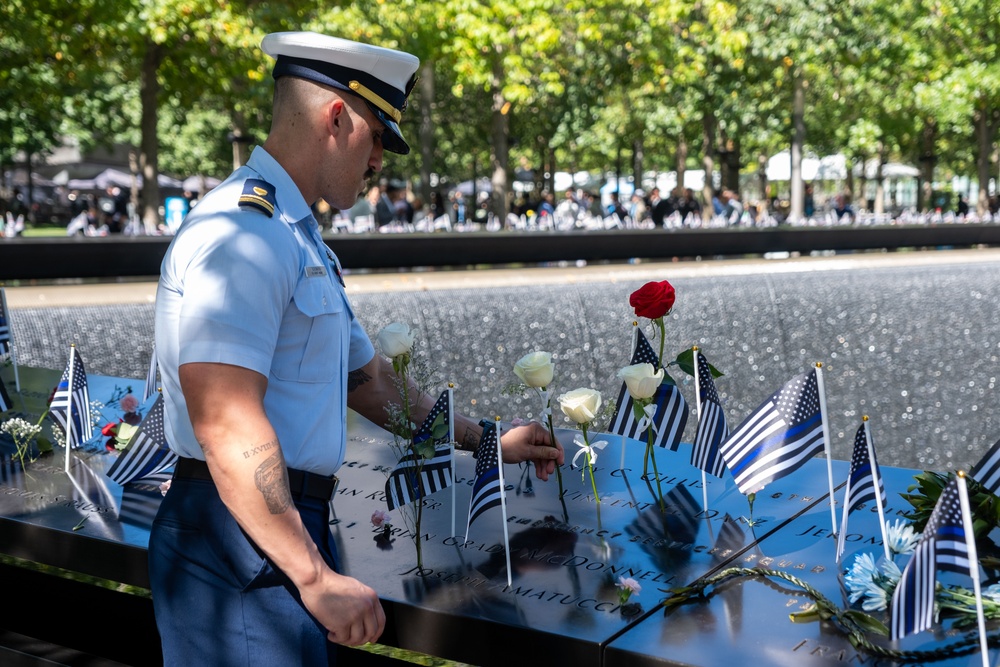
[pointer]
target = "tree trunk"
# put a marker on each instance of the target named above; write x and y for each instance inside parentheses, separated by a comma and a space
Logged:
(499, 147)
(762, 182)
(149, 89)
(426, 128)
(239, 139)
(708, 163)
(798, 141)
(733, 158)
(928, 159)
(29, 196)
(879, 207)
(984, 146)
(133, 195)
(682, 156)
(637, 160)
(849, 165)
(550, 168)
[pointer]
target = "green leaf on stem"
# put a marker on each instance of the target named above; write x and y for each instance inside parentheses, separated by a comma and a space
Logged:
(685, 360)
(425, 448)
(810, 614)
(439, 429)
(866, 622)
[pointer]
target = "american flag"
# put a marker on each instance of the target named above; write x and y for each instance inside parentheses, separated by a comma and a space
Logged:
(414, 476)
(860, 482)
(5, 338)
(78, 429)
(712, 427)
(5, 402)
(942, 546)
(147, 452)
(671, 413)
(151, 386)
(987, 471)
(778, 437)
(487, 488)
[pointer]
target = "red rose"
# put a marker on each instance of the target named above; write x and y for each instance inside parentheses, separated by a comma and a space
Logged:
(653, 300)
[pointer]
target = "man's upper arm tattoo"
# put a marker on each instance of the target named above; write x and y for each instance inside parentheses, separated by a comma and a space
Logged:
(357, 378)
(271, 478)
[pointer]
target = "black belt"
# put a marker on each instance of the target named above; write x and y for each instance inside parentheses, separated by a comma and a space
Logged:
(301, 483)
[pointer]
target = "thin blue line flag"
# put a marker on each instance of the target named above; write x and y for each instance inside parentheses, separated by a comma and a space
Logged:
(778, 437)
(147, 452)
(671, 413)
(712, 427)
(79, 396)
(486, 489)
(414, 476)
(942, 546)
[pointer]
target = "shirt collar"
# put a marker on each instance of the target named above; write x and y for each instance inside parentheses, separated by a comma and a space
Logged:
(292, 206)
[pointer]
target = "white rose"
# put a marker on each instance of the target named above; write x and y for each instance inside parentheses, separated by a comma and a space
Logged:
(535, 369)
(581, 405)
(395, 339)
(641, 381)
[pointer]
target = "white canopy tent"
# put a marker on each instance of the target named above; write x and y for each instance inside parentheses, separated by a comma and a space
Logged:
(828, 168)
(893, 170)
(666, 182)
(116, 178)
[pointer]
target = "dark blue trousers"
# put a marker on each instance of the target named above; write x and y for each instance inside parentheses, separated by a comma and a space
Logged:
(218, 601)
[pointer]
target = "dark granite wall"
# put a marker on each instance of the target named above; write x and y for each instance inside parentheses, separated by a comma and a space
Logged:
(915, 348)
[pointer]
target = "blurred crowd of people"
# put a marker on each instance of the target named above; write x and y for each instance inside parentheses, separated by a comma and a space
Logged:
(391, 206)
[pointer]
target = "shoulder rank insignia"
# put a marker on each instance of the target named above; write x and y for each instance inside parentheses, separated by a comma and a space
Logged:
(258, 194)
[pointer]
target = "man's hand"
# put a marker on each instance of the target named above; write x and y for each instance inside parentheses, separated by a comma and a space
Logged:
(349, 610)
(531, 442)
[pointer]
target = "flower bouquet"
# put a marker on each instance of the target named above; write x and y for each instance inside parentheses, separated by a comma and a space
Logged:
(418, 449)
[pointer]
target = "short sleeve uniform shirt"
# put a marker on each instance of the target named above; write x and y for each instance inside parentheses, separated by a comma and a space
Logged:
(263, 292)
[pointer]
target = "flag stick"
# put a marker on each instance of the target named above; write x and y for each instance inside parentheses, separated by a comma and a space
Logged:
(69, 403)
(10, 340)
(697, 409)
(503, 501)
(635, 339)
(970, 544)
(451, 447)
(826, 442)
(843, 521)
(877, 479)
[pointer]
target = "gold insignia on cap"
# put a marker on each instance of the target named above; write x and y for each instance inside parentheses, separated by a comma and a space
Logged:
(376, 99)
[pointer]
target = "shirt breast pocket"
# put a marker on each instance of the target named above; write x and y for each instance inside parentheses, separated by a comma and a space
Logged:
(312, 334)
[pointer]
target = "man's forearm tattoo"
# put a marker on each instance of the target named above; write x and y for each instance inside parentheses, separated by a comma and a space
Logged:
(356, 378)
(271, 479)
(470, 441)
(259, 449)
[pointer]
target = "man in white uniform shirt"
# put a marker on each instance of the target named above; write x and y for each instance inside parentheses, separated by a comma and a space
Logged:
(260, 356)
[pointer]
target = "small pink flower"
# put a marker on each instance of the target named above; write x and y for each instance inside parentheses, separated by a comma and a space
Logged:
(129, 403)
(517, 421)
(164, 487)
(628, 586)
(381, 518)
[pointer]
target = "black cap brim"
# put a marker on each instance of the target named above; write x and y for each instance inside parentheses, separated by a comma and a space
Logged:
(392, 138)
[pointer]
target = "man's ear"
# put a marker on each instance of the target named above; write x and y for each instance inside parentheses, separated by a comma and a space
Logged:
(337, 117)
